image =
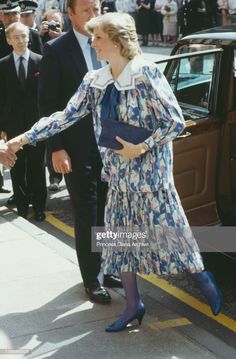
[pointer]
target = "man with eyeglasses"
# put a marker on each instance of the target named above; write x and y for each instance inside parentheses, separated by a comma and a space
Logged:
(10, 13)
(19, 76)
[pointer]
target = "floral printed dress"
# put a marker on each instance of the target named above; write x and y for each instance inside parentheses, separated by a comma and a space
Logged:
(141, 196)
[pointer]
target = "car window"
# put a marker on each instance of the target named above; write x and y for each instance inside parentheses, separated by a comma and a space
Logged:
(191, 81)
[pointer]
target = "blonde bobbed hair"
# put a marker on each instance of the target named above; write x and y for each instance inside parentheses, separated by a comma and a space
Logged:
(120, 28)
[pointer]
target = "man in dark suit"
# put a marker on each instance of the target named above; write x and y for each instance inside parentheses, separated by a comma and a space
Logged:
(65, 62)
(11, 13)
(19, 74)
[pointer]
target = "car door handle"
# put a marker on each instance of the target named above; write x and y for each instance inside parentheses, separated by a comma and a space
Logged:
(184, 135)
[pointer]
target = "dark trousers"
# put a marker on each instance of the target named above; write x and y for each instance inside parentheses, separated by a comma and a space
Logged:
(88, 195)
(28, 178)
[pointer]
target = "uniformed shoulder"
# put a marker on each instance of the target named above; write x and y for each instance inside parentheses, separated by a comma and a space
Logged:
(34, 33)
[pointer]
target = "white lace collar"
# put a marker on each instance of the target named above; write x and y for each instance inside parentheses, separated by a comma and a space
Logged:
(126, 80)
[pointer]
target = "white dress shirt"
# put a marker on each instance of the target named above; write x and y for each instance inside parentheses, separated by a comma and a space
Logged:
(25, 61)
(83, 41)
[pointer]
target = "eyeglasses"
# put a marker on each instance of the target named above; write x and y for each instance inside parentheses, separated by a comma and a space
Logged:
(20, 37)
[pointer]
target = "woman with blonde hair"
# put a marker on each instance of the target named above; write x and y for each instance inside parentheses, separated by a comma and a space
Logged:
(132, 98)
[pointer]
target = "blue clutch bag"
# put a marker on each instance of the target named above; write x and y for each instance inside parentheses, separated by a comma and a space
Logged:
(112, 128)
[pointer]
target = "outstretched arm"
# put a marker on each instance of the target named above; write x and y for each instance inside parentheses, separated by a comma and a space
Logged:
(78, 107)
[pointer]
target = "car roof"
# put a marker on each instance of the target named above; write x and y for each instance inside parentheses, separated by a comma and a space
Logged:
(225, 35)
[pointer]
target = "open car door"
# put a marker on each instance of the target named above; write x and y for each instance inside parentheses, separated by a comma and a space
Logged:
(194, 78)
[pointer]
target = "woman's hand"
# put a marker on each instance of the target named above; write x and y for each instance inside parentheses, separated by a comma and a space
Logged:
(129, 150)
(17, 143)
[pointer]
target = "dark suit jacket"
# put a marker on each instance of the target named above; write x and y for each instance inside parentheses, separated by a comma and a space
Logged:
(62, 69)
(35, 43)
(18, 107)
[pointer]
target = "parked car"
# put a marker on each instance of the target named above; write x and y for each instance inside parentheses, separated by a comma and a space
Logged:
(202, 73)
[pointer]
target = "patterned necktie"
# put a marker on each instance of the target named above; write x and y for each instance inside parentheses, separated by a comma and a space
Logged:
(21, 72)
(96, 64)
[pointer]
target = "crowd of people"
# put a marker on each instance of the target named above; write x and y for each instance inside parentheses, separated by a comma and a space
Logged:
(88, 77)
(161, 22)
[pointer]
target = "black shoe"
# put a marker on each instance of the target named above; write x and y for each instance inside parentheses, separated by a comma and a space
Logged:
(4, 190)
(11, 200)
(23, 213)
(54, 186)
(112, 281)
(39, 216)
(98, 294)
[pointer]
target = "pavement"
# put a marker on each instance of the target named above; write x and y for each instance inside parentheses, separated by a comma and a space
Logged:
(45, 313)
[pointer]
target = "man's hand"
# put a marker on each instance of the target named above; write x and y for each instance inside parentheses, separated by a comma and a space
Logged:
(7, 156)
(61, 162)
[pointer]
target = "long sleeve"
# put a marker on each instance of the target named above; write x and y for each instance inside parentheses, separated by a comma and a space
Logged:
(170, 121)
(173, 9)
(78, 107)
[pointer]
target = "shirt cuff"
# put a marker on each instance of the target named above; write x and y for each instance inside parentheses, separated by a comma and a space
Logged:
(31, 137)
(150, 142)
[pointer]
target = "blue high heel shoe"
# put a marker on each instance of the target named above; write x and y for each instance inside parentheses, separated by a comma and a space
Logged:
(120, 325)
(209, 288)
